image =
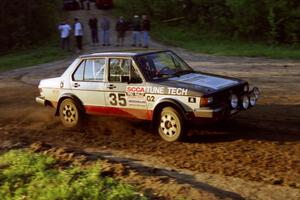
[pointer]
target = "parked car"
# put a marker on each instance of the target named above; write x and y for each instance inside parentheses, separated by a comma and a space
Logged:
(153, 85)
(104, 4)
(71, 4)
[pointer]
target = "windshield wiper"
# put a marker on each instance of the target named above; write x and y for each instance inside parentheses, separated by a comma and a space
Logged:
(182, 72)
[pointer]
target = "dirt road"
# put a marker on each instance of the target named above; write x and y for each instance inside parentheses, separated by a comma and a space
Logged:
(262, 144)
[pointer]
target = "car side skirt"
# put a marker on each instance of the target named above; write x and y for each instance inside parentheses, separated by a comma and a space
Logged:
(121, 112)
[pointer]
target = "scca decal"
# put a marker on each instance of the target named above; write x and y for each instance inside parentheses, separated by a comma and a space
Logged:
(135, 91)
(139, 90)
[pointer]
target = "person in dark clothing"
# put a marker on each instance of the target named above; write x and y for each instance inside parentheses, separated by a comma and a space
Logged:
(81, 4)
(136, 31)
(93, 23)
(145, 30)
(121, 28)
(105, 28)
(88, 4)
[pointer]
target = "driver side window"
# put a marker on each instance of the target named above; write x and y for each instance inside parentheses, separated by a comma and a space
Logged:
(119, 71)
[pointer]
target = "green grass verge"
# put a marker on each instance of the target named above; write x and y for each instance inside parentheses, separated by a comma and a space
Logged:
(210, 44)
(25, 175)
(34, 56)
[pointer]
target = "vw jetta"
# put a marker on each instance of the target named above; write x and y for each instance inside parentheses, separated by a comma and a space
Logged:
(155, 85)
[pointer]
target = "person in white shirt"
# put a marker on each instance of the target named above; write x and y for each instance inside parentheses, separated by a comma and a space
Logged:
(65, 29)
(78, 33)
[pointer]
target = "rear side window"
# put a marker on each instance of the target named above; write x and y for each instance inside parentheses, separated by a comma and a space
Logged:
(78, 75)
(90, 70)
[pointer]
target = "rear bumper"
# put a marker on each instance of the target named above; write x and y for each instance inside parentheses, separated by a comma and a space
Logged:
(40, 100)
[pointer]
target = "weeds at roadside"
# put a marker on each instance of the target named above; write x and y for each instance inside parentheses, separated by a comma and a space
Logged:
(25, 175)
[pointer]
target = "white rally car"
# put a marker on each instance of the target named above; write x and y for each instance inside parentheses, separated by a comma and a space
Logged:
(153, 85)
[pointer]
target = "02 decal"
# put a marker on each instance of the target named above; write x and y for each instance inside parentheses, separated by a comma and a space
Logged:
(151, 98)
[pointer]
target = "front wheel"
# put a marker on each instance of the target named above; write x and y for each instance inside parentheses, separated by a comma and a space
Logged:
(69, 113)
(170, 125)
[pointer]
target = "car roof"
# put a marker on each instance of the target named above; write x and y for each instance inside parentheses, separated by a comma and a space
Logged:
(123, 53)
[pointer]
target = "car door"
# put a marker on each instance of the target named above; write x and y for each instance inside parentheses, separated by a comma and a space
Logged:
(88, 84)
(125, 89)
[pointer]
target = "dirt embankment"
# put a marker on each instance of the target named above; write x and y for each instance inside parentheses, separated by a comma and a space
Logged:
(261, 144)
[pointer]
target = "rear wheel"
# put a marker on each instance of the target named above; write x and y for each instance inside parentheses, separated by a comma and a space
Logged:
(69, 113)
(170, 124)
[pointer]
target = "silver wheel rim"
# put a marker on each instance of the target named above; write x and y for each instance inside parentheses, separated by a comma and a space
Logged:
(169, 125)
(69, 112)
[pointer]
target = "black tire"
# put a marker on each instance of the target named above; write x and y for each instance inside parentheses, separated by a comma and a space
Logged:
(170, 125)
(70, 114)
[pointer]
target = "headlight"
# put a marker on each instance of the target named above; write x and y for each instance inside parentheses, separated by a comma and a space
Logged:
(256, 92)
(246, 88)
(204, 101)
(252, 99)
(234, 101)
(245, 102)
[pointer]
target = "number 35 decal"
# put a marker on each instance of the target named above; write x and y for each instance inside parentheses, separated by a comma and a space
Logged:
(117, 99)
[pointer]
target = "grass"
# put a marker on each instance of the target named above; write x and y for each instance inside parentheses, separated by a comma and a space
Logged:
(207, 43)
(34, 56)
(25, 175)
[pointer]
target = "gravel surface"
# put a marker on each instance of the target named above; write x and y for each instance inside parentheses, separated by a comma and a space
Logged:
(260, 145)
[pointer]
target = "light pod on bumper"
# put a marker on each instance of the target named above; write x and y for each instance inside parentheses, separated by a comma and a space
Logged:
(252, 99)
(245, 102)
(256, 92)
(234, 101)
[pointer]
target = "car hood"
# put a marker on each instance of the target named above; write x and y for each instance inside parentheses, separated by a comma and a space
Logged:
(203, 83)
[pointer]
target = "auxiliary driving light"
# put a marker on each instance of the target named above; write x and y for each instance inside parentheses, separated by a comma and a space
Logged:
(252, 99)
(245, 102)
(256, 92)
(234, 101)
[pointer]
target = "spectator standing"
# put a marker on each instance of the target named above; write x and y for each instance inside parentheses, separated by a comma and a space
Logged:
(136, 31)
(145, 30)
(81, 4)
(121, 28)
(93, 23)
(65, 29)
(78, 33)
(88, 4)
(105, 31)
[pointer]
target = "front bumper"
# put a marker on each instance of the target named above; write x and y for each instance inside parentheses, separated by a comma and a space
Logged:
(225, 109)
(41, 100)
(218, 112)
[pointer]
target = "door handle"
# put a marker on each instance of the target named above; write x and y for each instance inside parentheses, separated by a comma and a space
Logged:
(111, 86)
(76, 85)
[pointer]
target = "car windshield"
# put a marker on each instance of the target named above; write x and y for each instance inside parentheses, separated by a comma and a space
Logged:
(162, 64)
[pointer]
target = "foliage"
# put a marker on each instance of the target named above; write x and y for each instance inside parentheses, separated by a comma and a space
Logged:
(23, 23)
(25, 175)
(212, 43)
(275, 21)
(36, 55)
